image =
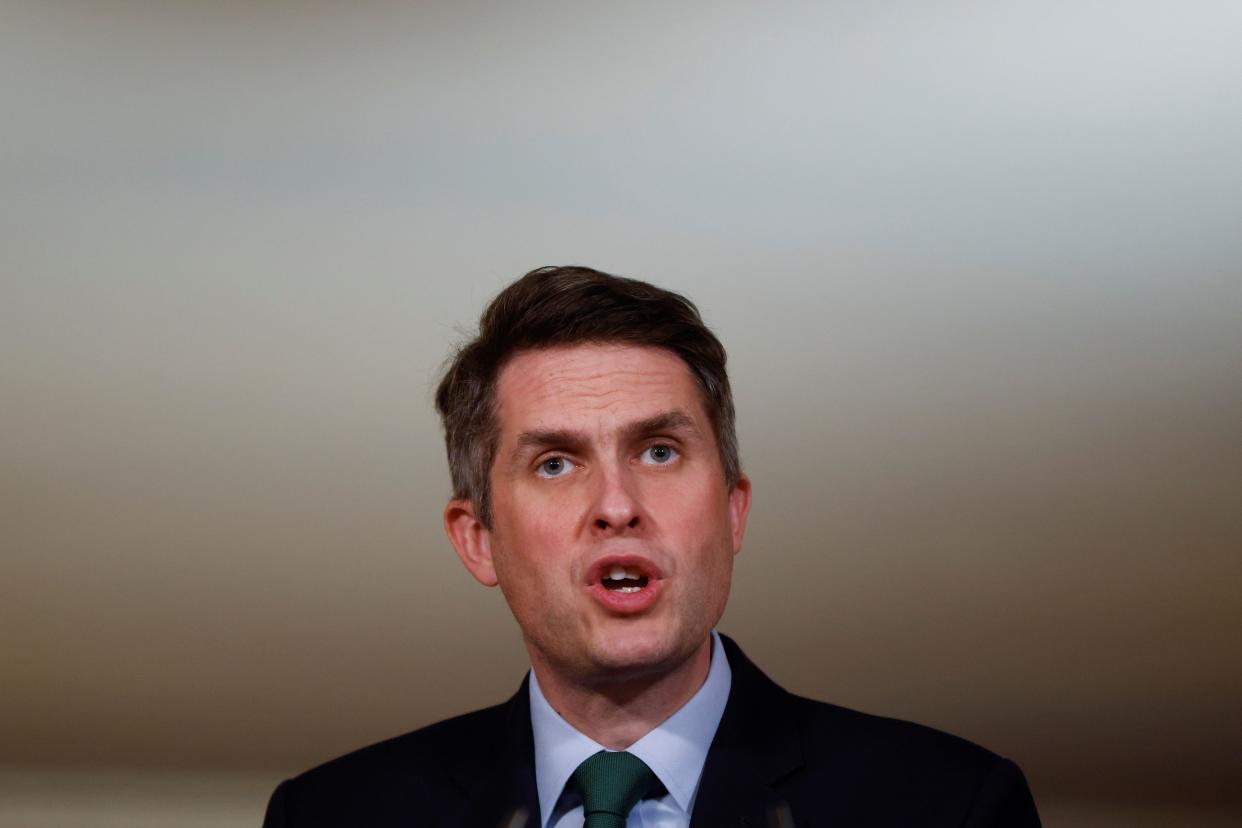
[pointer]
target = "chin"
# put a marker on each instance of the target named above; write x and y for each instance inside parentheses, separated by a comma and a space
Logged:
(637, 655)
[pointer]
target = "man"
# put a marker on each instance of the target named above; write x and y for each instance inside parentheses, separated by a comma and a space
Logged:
(590, 434)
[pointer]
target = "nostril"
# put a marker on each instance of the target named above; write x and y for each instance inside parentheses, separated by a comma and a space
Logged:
(633, 522)
(601, 524)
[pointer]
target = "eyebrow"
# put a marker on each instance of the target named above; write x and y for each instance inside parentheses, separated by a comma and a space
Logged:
(672, 420)
(666, 421)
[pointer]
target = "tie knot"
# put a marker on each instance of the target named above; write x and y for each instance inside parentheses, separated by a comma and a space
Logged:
(610, 784)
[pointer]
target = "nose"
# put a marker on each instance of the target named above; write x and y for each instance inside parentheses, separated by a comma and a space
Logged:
(617, 508)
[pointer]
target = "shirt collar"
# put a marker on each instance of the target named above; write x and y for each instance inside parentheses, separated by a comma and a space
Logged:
(675, 750)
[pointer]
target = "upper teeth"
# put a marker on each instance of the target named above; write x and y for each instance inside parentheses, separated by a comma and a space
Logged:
(620, 573)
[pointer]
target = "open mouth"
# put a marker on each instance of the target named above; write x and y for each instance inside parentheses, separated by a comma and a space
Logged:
(625, 584)
(623, 579)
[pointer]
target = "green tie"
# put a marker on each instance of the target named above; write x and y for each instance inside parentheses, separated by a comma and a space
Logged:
(610, 784)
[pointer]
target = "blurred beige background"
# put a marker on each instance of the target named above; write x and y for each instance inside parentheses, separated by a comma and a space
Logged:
(978, 266)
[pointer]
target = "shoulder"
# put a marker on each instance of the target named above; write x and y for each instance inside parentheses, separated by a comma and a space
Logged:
(435, 747)
(881, 764)
(832, 734)
(870, 769)
(424, 771)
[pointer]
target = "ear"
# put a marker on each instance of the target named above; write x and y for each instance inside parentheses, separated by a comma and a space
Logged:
(739, 508)
(471, 539)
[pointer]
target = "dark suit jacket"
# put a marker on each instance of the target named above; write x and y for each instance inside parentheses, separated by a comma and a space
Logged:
(777, 760)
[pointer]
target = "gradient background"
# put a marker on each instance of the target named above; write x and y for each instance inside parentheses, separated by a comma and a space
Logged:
(978, 267)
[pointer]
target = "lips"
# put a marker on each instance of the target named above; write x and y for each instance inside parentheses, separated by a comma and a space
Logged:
(636, 564)
(635, 592)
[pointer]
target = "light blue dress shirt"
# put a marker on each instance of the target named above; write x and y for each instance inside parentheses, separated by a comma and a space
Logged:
(676, 751)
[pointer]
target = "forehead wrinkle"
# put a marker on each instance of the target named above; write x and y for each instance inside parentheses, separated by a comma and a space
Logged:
(582, 385)
(579, 363)
(568, 396)
(602, 390)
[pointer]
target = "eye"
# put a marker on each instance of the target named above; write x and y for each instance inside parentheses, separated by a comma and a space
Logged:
(555, 467)
(659, 454)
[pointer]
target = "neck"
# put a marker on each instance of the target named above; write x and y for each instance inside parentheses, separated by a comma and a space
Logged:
(617, 714)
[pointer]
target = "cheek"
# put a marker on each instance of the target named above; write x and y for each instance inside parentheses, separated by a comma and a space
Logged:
(701, 527)
(544, 536)
(534, 509)
(695, 505)
(530, 550)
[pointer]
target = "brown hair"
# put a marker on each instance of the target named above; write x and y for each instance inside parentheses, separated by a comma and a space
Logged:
(555, 306)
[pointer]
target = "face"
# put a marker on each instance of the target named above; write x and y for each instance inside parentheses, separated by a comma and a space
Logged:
(613, 532)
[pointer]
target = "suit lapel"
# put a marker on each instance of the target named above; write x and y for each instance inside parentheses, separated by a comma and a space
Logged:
(756, 745)
(499, 777)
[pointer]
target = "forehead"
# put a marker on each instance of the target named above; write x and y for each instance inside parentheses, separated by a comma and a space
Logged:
(593, 384)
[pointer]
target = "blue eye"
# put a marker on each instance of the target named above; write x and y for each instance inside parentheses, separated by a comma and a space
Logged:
(659, 454)
(555, 467)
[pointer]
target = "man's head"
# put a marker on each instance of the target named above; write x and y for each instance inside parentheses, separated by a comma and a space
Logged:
(559, 306)
(590, 431)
